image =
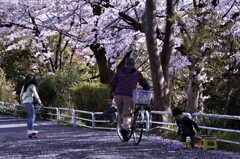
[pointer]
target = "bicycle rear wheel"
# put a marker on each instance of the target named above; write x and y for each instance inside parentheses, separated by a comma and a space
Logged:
(138, 122)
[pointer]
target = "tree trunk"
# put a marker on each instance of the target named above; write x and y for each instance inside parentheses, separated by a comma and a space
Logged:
(229, 82)
(104, 66)
(73, 51)
(159, 64)
(149, 23)
(193, 90)
(62, 62)
(166, 54)
(57, 53)
(195, 85)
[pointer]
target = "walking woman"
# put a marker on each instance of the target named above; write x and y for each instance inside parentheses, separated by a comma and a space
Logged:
(26, 96)
(123, 83)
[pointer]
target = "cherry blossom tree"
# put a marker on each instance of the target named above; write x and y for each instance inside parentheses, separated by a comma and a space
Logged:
(203, 30)
(113, 29)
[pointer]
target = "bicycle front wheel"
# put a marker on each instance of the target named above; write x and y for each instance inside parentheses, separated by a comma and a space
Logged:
(138, 122)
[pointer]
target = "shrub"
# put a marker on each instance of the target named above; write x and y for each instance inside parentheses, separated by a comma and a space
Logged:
(90, 96)
(67, 89)
(55, 89)
(7, 93)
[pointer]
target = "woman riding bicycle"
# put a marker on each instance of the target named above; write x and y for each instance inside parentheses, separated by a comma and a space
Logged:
(123, 83)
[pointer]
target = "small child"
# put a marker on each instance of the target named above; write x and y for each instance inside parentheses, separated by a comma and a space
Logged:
(111, 110)
(185, 126)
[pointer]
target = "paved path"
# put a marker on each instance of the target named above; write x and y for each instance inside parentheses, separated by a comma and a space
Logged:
(63, 142)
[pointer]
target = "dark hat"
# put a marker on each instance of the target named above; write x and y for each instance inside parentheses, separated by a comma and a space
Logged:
(129, 61)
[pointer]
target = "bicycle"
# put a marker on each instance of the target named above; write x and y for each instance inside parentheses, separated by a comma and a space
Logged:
(141, 99)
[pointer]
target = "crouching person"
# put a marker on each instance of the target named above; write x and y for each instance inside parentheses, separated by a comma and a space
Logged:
(185, 126)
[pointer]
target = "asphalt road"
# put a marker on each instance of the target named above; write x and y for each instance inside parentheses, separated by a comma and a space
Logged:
(64, 142)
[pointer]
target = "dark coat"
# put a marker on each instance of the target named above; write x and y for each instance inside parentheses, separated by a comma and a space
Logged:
(185, 127)
(126, 80)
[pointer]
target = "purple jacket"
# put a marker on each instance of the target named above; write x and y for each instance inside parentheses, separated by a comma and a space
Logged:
(126, 80)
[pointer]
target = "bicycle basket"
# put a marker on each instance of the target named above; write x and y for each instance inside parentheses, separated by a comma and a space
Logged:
(142, 97)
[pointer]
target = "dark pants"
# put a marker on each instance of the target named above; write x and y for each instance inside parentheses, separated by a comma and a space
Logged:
(183, 139)
(109, 113)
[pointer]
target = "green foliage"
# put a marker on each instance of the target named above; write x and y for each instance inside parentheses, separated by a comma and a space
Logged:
(44, 114)
(65, 119)
(211, 122)
(215, 91)
(48, 90)
(229, 147)
(55, 89)
(16, 64)
(7, 93)
(91, 96)
(227, 136)
(178, 89)
(218, 92)
(21, 64)
(221, 123)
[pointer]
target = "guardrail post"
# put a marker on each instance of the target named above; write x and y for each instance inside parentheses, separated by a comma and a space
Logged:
(74, 118)
(3, 107)
(58, 114)
(40, 112)
(147, 121)
(14, 110)
(93, 121)
(150, 120)
(209, 132)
